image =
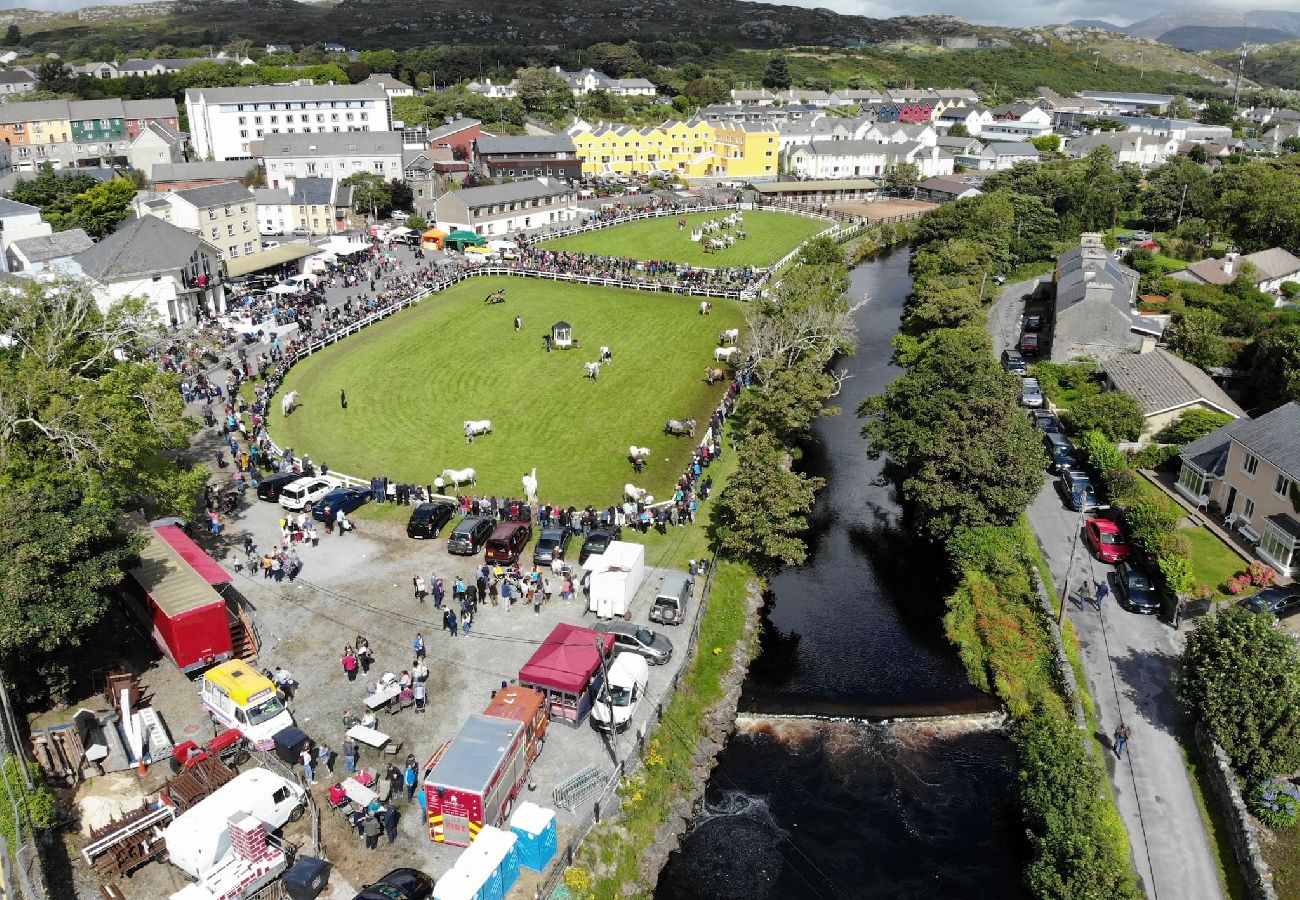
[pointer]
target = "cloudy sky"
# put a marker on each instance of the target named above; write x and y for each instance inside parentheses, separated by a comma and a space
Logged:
(1018, 12)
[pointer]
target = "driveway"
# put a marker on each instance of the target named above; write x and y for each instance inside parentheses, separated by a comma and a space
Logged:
(1131, 662)
(1004, 314)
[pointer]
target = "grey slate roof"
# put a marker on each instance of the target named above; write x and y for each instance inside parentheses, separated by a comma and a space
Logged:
(233, 170)
(1161, 382)
(216, 194)
(492, 194)
(1274, 263)
(14, 208)
(313, 192)
(1210, 452)
(17, 76)
(451, 128)
(54, 246)
(143, 246)
(1275, 437)
(492, 145)
(1012, 148)
(271, 196)
(386, 82)
(336, 143)
(267, 92)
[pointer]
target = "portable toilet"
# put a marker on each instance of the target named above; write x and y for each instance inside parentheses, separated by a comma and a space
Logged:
(457, 884)
(498, 848)
(482, 873)
(535, 827)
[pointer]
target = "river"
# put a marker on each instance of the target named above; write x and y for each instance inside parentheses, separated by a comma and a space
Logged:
(801, 807)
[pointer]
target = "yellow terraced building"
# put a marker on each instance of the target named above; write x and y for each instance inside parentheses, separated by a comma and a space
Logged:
(692, 149)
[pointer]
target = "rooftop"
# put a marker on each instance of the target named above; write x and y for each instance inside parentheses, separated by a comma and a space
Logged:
(490, 145)
(1162, 382)
(264, 92)
(215, 194)
(230, 170)
(337, 143)
(143, 246)
(53, 246)
(492, 194)
(1275, 436)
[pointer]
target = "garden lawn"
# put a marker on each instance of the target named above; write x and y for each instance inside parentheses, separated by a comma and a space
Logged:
(1213, 563)
(414, 379)
(771, 236)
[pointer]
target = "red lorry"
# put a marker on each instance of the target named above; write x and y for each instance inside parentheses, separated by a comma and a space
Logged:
(174, 591)
(473, 779)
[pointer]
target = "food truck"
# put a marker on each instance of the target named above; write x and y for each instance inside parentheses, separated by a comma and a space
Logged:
(473, 779)
(523, 705)
(238, 697)
(566, 669)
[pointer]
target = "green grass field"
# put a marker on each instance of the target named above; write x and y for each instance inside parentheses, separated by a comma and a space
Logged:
(771, 236)
(413, 380)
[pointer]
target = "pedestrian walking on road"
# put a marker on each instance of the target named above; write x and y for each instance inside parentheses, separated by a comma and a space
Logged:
(1103, 589)
(1122, 734)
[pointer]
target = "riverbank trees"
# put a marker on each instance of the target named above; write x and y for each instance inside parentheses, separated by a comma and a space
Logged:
(968, 462)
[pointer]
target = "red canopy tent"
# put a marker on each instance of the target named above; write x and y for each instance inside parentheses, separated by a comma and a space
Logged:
(565, 669)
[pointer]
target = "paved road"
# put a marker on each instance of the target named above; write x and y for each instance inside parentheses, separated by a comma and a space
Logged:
(1131, 661)
(1004, 315)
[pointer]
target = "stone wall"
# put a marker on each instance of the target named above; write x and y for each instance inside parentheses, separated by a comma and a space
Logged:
(1241, 828)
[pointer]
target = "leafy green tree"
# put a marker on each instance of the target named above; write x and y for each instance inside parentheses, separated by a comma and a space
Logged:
(1074, 852)
(822, 251)
(761, 514)
(785, 403)
(1218, 112)
(1291, 145)
(358, 72)
(901, 181)
(1193, 424)
(417, 223)
(1241, 678)
(958, 129)
(1115, 414)
(370, 193)
(1275, 366)
(53, 193)
(615, 60)
(1048, 143)
(99, 210)
(53, 76)
(540, 89)
(1178, 190)
(1197, 336)
(13, 36)
(1256, 206)
(777, 75)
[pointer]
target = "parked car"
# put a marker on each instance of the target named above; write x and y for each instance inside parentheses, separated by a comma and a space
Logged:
(598, 541)
(615, 706)
(1034, 323)
(1135, 588)
(669, 607)
(269, 488)
(1029, 343)
(1045, 421)
(301, 232)
(1076, 490)
(632, 638)
(400, 215)
(551, 545)
(1105, 539)
(347, 499)
(1140, 235)
(1031, 394)
(428, 518)
(399, 884)
(508, 540)
(469, 535)
(305, 491)
(1061, 454)
(1013, 362)
(1278, 601)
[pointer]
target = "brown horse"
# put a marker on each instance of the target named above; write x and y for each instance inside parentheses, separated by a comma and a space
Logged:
(712, 376)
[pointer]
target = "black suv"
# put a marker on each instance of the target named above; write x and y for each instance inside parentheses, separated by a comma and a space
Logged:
(269, 488)
(1012, 361)
(598, 541)
(428, 518)
(1077, 490)
(470, 534)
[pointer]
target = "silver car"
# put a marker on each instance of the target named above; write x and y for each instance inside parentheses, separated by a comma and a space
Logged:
(632, 638)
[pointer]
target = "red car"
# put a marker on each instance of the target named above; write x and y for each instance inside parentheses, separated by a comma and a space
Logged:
(1105, 540)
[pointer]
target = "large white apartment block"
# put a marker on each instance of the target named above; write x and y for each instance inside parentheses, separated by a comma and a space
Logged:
(224, 122)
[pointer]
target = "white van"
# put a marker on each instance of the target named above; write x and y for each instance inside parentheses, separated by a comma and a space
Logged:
(616, 704)
(301, 494)
(303, 282)
(199, 839)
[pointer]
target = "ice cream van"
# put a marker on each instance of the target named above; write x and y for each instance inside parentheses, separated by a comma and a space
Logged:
(236, 696)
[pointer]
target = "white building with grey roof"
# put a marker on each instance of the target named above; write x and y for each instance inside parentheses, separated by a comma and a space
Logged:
(32, 255)
(225, 215)
(330, 155)
(224, 122)
(503, 209)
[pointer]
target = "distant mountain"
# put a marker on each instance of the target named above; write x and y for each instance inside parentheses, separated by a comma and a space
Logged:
(1208, 37)
(1097, 23)
(1280, 19)
(1156, 26)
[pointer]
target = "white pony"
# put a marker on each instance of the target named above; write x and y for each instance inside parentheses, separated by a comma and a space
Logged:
(606, 356)
(730, 336)
(457, 477)
(632, 492)
(287, 402)
(477, 426)
(642, 453)
(530, 486)
(593, 370)
(724, 354)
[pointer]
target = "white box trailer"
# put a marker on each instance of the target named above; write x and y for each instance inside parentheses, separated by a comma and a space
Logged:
(200, 839)
(616, 575)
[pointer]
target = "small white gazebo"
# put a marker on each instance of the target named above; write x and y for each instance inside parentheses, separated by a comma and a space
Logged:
(562, 335)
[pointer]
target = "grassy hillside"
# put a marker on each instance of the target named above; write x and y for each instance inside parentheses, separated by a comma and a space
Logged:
(1278, 65)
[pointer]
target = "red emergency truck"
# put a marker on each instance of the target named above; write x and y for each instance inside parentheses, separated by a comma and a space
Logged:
(523, 705)
(175, 591)
(474, 778)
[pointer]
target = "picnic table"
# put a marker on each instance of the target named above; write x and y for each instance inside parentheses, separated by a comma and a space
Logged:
(383, 695)
(358, 793)
(371, 737)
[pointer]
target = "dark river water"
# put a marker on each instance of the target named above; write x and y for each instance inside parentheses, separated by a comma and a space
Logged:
(854, 808)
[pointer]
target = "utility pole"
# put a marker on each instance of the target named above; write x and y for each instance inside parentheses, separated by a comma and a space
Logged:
(1181, 201)
(1074, 548)
(610, 743)
(1236, 91)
